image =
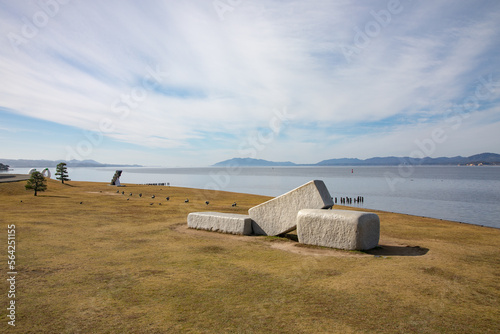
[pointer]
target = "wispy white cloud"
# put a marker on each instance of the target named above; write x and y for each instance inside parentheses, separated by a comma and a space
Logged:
(227, 76)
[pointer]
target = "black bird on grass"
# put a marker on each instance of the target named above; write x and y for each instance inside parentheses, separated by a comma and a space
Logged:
(234, 204)
(187, 200)
(167, 198)
(207, 202)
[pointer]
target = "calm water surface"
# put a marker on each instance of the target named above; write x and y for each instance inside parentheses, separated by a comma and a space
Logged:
(464, 194)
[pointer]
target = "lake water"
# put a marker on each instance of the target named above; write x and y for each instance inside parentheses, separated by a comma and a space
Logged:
(463, 194)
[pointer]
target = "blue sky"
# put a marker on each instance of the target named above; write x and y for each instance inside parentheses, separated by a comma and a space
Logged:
(192, 83)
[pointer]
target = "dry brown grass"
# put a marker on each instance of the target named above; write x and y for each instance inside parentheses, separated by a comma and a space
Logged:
(110, 265)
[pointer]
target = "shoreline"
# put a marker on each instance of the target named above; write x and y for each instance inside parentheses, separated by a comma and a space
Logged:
(23, 177)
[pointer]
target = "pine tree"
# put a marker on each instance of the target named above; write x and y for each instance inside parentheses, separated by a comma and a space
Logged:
(36, 182)
(62, 172)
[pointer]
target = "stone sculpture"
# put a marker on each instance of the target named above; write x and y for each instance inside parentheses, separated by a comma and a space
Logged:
(302, 208)
(343, 229)
(221, 222)
(115, 181)
(279, 215)
(45, 172)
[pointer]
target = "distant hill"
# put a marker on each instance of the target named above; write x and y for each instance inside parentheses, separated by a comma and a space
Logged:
(485, 158)
(249, 162)
(478, 159)
(53, 163)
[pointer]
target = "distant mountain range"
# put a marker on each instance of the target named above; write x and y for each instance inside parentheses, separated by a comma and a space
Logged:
(478, 159)
(16, 163)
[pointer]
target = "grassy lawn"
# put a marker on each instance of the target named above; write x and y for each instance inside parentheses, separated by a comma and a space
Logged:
(119, 264)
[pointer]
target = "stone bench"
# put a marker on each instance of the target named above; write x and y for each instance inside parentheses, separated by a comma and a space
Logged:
(220, 222)
(343, 229)
(279, 215)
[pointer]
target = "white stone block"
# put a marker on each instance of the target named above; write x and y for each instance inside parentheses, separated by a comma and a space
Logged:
(279, 215)
(343, 229)
(220, 222)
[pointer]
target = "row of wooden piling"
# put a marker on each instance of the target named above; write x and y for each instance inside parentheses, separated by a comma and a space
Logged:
(350, 200)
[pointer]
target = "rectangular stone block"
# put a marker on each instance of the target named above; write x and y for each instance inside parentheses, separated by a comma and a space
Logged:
(279, 215)
(343, 229)
(220, 222)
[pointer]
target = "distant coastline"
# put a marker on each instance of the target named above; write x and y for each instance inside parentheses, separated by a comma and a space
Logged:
(483, 159)
(27, 163)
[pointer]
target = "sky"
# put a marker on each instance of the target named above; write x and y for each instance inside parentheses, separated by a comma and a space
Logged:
(192, 83)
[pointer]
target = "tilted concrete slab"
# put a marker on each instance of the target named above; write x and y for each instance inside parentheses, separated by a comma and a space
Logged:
(279, 215)
(343, 229)
(220, 222)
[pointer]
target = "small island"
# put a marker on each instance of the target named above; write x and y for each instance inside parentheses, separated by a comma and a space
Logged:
(4, 167)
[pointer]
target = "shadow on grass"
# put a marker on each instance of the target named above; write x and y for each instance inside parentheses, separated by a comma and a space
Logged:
(383, 250)
(380, 250)
(281, 237)
(290, 236)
